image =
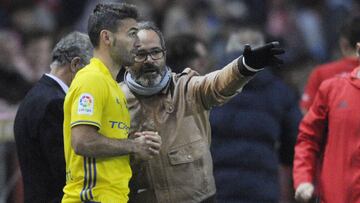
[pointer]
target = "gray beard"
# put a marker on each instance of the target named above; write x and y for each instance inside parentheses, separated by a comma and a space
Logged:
(149, 90)
(148, 81)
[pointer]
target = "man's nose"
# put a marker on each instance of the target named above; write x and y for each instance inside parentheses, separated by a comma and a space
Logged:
(148, 59)
(137, 41)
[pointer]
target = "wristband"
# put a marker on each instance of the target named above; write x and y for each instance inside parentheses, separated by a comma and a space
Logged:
(249, 68)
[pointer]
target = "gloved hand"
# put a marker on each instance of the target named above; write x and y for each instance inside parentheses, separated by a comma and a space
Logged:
(304, 192)
(256, 59)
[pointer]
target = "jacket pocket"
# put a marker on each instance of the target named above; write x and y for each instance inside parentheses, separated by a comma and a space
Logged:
(187, 153)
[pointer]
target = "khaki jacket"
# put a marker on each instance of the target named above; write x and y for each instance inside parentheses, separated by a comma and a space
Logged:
(183, 172)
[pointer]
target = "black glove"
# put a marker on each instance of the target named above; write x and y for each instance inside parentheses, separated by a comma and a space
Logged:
(258, 58)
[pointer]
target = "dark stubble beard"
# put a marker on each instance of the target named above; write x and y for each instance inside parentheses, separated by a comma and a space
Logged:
(122, 57)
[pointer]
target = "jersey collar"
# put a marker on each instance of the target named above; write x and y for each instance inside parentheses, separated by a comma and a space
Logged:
(101, 66)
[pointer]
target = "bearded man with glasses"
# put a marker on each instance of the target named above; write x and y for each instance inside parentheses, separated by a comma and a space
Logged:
(177, 106)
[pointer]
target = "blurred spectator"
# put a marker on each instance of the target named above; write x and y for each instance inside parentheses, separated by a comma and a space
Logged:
(37, 50)
(253, 11)
(355, 7)
(311, 25)
(281, 25)
(13, 53)
(187, 50)
(177, 19)
(13, 87)
(69, 12)
(27, 16)
(13, 69)
(253, 136)
(349, 36)
(336, 12)
(243, 36)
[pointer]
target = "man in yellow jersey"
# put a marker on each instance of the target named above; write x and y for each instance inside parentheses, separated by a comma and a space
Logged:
(96, 118)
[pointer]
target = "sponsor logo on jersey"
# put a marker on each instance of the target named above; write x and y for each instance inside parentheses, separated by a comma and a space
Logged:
(119, 125)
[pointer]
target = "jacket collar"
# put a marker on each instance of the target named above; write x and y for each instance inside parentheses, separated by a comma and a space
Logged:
(63, 86)
(50, 81)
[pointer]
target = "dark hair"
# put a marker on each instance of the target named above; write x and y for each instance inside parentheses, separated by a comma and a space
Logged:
(351, 30)
(147, 25)
(108, 16)
(181, 50)
(75, 44)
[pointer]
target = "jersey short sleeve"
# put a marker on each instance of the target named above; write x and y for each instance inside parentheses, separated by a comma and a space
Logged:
(88, 96)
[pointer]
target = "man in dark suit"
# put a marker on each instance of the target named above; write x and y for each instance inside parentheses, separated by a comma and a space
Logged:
(38, 126)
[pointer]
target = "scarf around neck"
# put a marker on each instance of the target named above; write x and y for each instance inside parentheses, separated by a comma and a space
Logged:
(147, 91)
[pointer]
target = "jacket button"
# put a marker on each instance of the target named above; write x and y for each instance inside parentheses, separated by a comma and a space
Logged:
(189, 157)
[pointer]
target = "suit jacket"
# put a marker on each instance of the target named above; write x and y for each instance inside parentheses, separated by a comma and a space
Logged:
(38, 130)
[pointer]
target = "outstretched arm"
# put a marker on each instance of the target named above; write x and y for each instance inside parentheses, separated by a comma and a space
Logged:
(219, 86)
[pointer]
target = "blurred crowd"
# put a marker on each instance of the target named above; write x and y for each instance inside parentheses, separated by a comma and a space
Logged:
(307, 29)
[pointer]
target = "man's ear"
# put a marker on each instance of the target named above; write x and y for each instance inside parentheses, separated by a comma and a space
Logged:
(106, 36)
(358, 49)
(76, 64)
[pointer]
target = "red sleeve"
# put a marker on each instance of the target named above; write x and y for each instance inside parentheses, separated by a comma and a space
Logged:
(310, 90)
(310, 137)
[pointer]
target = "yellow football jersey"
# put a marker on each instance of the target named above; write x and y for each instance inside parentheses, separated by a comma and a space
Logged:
(94, 98)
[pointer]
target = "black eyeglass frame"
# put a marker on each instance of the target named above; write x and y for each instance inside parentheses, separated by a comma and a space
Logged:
(152, 53)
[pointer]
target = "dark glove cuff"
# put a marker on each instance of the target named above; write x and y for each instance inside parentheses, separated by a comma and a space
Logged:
(243, 68)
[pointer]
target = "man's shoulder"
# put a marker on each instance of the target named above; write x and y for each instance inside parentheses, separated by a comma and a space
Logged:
(89, 75)
(37, 101)
(337, 66)
(90, 69)
(186, 74)
(42, 93)
(334, 83)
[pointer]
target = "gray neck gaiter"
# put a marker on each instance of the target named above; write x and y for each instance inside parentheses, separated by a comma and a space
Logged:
(147, 91)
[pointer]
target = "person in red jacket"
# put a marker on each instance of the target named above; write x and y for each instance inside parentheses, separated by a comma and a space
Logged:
(349, 36)
(331, 130)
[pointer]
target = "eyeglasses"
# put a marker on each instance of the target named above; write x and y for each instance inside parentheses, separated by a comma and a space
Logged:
(155, 54)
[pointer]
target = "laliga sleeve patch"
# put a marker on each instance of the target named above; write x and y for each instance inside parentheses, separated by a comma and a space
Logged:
(86, 104)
